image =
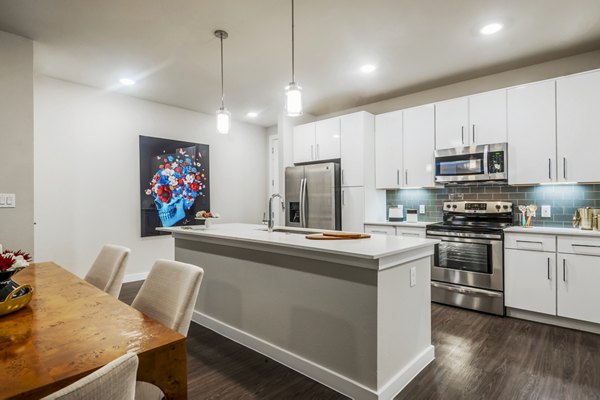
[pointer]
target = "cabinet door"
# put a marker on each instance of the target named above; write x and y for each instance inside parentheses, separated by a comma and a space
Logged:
(578, 127)
(532, 133)
(419, 144)
(304, 143)
(487, 117)
(352, 148)
(410, 232)
(327, 133)
(388, 150)
(451, 123)
(530, 280)
(353, 209)
(578, 294)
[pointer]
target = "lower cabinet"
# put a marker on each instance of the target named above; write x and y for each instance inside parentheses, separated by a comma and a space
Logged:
(564, 283)
(578, 287)
(410, 231)
(530, 280)
(406, 231)
(380, 230)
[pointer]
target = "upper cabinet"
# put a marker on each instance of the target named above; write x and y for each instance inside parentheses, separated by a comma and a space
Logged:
(404, 143)
(356, 148)
(388, 150)
(578, 119)
(418, 137)
(317, 141)
(473, 120)
(531, 116)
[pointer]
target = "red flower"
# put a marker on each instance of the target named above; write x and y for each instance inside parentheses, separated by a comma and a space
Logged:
(194, 186)
(6, 262)
(164, 194)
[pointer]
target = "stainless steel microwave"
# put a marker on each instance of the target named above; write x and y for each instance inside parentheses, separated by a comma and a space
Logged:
(481, 163)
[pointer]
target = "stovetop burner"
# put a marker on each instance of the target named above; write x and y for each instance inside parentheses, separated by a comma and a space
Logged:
(475, 216)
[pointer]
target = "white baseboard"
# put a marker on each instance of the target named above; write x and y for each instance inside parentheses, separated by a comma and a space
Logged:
(135, 277)
(553, 320)
(315, 371)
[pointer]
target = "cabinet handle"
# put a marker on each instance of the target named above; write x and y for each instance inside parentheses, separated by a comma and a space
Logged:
(312, 152)
(550, 168)
(317, 151)
(342, 177)
(528, 241)
(462, 134)
(548, 268)
(473, 133)
(398, 176)
(565, 167)
(375, 231)
(343, 198)
(584, 245)
(564, 270)
(406, 177)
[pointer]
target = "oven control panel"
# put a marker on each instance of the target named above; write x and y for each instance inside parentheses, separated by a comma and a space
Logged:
(478, 207)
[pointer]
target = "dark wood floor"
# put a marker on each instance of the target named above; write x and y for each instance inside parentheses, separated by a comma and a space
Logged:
(478, 356)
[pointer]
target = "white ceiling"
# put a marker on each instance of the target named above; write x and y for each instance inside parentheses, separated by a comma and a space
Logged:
(169, 47)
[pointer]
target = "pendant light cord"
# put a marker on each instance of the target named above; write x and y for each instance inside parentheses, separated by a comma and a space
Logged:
(222, 79)
(293, 73)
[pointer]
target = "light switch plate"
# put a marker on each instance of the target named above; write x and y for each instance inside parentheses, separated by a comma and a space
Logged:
(422, 209)
(7, 200)
(546, 211)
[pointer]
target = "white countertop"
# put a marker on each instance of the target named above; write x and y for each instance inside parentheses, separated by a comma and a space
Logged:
(375, 247)
(540, 230)
(400, 223)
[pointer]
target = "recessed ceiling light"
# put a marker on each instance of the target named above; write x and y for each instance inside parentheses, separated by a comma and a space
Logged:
(367, 69)
(490, 29)
(127, 81)
(252, 114)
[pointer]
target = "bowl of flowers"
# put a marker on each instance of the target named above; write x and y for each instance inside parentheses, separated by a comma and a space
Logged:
(13, 296)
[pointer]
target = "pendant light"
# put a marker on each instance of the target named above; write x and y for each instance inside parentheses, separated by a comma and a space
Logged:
(293, 91)
(223, 115)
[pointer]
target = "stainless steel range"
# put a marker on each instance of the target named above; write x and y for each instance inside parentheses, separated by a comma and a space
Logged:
(468, 266)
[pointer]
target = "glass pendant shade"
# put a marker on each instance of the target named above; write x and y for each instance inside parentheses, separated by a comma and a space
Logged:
(293, 100)
(223, 120)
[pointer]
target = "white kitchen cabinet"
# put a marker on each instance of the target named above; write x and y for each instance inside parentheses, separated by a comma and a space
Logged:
(418, 143)
(304, 143)
(531, 119)
(487, 117)
(353, 209)
(530, 280)
(451, 123)
(327, 139)
(380, 230)
(388, 150)
(355, 127)
(578, 122)
(578, 294)
(410, 231)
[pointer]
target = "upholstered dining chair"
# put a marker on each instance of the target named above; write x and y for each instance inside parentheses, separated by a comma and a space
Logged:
(108, 270)
(114, 381)
(168, 295)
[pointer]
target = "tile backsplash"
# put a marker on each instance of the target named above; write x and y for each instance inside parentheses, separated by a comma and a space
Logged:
(564, 199)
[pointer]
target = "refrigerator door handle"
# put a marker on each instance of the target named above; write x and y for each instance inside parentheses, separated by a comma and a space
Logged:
(304, 211)
(302, 202)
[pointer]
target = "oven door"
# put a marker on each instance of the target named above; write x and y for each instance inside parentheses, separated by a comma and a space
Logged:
(468, 261)
(462, 164)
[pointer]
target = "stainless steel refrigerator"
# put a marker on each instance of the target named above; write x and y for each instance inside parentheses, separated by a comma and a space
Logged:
(312, 196)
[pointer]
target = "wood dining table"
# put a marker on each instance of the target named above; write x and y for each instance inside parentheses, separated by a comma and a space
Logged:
(71, 328)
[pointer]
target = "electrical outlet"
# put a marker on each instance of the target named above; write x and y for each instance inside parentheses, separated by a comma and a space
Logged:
(422, 209)
(413, 276)
(546, 211)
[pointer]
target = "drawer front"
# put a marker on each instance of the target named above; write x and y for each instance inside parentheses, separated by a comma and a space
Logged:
(526, 241)
(410, 232)
(380, 229)
(579, 245)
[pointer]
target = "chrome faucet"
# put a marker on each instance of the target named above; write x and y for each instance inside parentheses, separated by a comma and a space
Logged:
(271, 220)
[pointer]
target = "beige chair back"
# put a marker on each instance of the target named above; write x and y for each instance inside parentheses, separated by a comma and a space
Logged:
(114, 381)
(108, 271)
(169, 293)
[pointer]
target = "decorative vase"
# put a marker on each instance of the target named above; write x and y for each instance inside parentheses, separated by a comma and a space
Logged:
(13, 296)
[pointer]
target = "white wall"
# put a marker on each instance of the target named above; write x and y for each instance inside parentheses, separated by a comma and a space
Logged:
(87, 171)
(16, 140)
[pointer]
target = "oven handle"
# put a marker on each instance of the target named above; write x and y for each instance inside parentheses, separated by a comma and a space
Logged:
(464, 290)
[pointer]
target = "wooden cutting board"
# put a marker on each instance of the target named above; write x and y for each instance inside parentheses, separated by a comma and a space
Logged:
(337, 236)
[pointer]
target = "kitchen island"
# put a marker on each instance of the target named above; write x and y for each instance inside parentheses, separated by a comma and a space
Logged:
(354, 315)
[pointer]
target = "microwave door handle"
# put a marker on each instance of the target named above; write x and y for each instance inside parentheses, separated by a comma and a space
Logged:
(486, 170)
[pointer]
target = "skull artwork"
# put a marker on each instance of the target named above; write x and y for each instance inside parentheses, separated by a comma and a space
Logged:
(176, 185)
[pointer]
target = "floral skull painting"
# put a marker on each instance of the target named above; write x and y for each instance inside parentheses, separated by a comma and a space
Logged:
(175, 186)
